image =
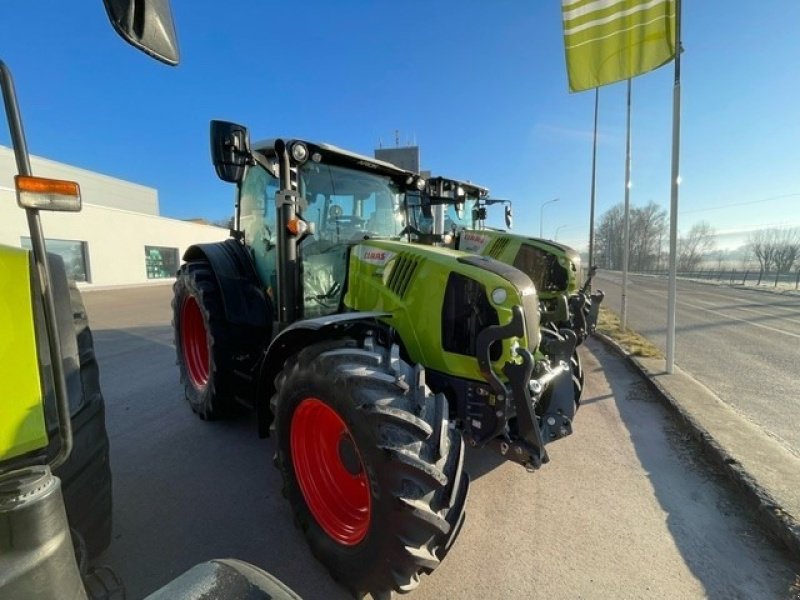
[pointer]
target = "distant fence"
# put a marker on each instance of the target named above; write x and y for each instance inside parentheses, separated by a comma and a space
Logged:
(739, 277)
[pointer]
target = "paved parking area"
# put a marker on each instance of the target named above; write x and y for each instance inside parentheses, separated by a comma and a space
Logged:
(625, 509)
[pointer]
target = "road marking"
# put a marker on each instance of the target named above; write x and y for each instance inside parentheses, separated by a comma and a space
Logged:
(719, 314)
(757, 312)
(752, 310)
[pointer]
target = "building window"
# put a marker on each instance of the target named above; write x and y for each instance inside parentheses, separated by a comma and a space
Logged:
(161, 262)
(73, 252)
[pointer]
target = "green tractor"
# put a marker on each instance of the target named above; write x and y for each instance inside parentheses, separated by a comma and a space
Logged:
(453, 213)
(367, 356)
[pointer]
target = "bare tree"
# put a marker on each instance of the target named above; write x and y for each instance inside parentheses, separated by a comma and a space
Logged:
(762, 247)
(694, 246)
(776, 248)
(648, 226)
(787, 249)
(608, 238)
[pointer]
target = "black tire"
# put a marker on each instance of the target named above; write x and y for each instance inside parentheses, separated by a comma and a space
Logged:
(410, 459)
(577, 377)
(203, 360)
(86, 476)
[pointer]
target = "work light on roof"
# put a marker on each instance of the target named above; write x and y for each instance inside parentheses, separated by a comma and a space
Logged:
(299, 152)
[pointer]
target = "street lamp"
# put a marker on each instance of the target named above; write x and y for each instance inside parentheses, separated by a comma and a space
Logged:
(559, 228)
(541, 215)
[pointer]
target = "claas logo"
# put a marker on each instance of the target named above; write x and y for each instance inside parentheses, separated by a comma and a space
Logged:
(375, 255)
(474, 237)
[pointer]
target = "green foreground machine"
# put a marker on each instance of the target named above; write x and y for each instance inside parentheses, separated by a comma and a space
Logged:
(368, 356)
(452, 213)
(53, 442)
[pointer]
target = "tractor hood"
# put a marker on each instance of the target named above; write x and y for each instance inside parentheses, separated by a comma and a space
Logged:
(553, 267)
(429, 289)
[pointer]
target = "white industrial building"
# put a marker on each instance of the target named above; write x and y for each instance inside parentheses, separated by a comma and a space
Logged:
(117, 239)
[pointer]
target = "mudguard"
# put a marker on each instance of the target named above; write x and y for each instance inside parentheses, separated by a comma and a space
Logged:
(243, 296)
(300, 335)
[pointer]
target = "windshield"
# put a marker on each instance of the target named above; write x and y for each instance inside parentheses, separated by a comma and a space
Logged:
(349, 205)
(455, 216)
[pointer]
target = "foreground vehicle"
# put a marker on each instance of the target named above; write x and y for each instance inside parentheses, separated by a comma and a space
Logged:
(453, 213)
(49, 389)
(371, 355)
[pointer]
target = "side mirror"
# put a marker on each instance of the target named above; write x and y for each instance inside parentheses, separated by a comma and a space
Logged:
(509, 216)
(230, 150)
(146, 25)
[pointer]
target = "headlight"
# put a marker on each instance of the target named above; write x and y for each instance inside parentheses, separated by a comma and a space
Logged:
(499, 295)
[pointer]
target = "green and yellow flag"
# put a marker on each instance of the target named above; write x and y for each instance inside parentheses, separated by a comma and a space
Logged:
(611, 40)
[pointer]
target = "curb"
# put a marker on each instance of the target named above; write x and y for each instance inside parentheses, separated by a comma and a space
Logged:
(771, 515)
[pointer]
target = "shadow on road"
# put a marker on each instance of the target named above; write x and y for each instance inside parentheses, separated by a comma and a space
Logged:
(714, 531)
(187, 490)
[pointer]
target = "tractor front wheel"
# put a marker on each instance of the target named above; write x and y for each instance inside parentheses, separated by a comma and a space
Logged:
(370, 466)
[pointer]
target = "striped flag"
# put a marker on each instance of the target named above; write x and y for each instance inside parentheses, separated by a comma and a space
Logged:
(611, 40)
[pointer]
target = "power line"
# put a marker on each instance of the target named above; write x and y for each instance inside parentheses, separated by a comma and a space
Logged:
(726, 206)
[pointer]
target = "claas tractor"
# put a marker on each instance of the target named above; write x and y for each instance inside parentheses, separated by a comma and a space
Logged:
(371, 359)
(453, 213)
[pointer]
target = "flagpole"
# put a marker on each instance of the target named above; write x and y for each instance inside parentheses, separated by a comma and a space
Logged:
(626, 243)
(594, 172)
(674, 183)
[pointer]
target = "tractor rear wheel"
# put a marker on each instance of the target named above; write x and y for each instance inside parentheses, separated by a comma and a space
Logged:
(202, 341)
(370, 465)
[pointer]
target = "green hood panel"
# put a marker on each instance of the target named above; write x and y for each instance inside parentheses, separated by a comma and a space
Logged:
(409, 281)
(22, 426)
(552, 276)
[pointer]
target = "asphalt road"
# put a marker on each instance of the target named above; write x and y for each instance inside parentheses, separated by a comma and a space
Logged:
(742, 344)
(625, 509)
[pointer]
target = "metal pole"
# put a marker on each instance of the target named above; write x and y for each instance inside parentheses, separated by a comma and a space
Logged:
(40, 260)
(674, 183)
(594, 172)
(626, 226)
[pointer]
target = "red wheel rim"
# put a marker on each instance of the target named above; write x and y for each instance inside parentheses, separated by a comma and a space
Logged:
(194, 343)
(338, 498)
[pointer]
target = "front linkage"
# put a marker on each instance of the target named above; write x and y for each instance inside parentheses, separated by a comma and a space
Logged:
(520, 398)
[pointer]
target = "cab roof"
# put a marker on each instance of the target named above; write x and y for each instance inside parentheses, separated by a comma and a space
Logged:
(333, 155)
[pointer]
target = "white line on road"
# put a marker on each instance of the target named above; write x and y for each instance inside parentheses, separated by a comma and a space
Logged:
(719, 314)
(750, 310)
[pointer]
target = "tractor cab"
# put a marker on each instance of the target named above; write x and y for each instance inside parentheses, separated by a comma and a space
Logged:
(443, 210)
(339, 204)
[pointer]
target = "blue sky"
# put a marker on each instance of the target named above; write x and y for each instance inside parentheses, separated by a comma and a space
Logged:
(480, 86)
